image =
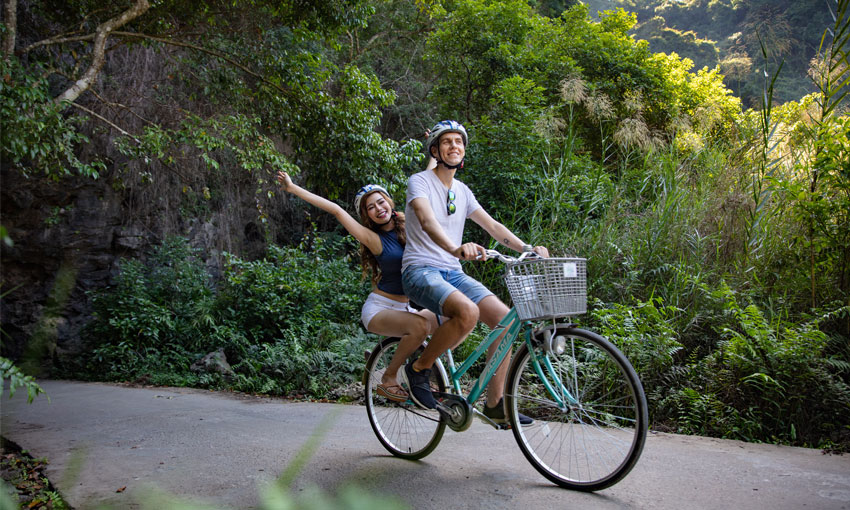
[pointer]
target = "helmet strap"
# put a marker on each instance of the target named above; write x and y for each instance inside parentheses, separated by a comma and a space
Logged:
(451, 167)
(384, 224)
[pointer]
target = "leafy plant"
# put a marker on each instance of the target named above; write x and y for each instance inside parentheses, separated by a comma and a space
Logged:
(18, 379)
(645, 335)
(769, 380)
(36, 137)
(287, 323)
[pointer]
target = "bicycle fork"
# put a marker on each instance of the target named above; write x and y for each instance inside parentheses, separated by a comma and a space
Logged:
(553, 343)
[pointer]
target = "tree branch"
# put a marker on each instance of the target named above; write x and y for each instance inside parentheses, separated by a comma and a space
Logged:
(99, 50)
(129, 135)
(122, 106)
(10, 13)
(106, 121)
(59, 39)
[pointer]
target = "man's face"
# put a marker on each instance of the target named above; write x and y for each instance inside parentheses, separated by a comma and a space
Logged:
(451, 148)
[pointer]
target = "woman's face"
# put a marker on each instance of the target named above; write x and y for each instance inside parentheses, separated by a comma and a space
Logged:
(378, 209)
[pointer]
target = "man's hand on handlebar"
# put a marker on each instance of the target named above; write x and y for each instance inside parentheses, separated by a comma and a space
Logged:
(471, 251)
(542, 251)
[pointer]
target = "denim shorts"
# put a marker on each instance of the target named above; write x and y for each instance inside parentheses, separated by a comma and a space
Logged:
(430, 287)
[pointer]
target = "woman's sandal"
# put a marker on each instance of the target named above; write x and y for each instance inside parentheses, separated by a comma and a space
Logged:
(392, 392)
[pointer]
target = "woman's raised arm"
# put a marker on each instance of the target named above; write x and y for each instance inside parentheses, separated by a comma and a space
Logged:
(363, 234)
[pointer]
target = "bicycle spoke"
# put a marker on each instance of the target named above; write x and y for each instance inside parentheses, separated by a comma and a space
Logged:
(593, 440)
(404, 429)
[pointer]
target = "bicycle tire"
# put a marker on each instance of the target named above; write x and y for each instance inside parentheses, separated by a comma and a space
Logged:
(593, 443)
(403, 428)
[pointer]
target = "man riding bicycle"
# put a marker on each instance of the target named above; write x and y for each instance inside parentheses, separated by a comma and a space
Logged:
(436, 210)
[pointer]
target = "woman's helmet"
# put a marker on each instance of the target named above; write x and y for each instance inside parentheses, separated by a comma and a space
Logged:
(366, 190)
(441, 128)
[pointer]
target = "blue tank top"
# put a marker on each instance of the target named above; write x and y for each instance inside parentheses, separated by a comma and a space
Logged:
(390, 263)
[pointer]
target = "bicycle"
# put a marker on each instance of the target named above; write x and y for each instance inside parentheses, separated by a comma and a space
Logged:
(588, 405)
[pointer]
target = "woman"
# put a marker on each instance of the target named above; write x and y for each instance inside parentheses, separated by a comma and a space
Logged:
(387, 311)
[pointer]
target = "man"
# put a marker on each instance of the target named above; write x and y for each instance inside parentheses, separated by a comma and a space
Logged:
(436, 211)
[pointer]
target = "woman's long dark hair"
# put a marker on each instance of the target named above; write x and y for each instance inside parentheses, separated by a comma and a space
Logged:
(368, 262)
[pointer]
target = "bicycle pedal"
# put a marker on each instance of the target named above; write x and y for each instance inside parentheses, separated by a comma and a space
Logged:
(498, 426)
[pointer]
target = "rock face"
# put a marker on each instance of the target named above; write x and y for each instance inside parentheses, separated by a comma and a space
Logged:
(63, 234)
(69, 237)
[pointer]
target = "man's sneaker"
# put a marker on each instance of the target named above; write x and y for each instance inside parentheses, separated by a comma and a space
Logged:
(497, 414)
(419, 386)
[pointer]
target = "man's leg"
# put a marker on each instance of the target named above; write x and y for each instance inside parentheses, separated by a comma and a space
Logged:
(493, 311)
(462, 317)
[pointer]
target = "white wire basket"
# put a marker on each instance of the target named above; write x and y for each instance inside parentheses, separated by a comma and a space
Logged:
(548, 288)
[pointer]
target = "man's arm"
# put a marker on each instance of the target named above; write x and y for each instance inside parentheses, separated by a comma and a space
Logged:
(501, 233)
(430, 225)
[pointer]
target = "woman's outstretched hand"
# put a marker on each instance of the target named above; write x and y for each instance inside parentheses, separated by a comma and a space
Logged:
(284, 180)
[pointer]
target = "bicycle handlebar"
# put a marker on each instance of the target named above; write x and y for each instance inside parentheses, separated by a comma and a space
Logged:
(507, 259)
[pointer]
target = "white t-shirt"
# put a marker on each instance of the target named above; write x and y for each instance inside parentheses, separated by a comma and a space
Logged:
(420, 249)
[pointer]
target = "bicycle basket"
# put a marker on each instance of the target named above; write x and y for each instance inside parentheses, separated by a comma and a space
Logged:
(548, 288)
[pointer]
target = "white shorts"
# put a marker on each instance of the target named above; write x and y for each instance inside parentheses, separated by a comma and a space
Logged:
(377, 303)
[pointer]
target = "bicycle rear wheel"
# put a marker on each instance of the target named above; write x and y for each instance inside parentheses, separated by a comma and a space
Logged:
(589, 409)
(404, 429)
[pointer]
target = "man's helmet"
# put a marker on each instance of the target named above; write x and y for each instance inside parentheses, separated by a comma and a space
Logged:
(366, 190)
(443, 127)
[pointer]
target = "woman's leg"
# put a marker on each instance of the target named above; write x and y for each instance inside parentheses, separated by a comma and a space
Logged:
(412, 328)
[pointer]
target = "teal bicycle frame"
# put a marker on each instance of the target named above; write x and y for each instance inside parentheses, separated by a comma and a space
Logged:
(513, 326)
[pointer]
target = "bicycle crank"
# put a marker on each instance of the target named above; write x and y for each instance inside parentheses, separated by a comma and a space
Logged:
(455, 410)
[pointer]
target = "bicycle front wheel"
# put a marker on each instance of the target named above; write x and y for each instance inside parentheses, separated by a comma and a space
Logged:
(589, 410)
(404, 429)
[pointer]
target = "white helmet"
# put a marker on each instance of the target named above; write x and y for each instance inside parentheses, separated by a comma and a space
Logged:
(365, 190)
(441, 128)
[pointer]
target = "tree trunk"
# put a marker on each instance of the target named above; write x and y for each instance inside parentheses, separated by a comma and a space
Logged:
(99, 50)
(10, 13)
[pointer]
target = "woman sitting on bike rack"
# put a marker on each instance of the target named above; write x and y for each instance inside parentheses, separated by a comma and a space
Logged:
(382, 238)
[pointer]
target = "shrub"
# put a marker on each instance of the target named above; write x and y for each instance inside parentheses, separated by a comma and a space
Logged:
(288, 323)
(769, 380)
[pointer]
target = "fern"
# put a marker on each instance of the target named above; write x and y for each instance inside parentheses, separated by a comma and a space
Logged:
(18, 379)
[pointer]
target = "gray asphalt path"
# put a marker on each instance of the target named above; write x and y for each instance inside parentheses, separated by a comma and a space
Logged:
(117, 445)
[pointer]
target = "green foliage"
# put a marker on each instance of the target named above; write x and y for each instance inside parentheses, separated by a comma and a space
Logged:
(287, 323)
(36, 136)
(164, 301)
(768, 380)
(727, 32)
(289, 289)
(236, 137)
(478, 45)
(327, 112)
(644, 333)
(18, 379)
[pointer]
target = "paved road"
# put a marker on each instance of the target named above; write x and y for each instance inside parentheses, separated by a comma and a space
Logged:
(220, 447)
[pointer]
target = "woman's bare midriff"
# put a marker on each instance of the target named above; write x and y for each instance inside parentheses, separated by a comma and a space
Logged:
(395, 297)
